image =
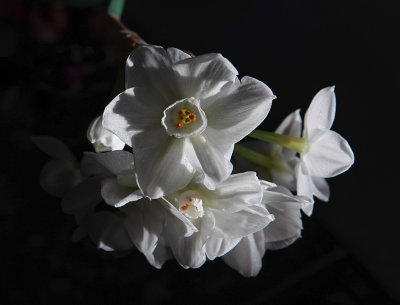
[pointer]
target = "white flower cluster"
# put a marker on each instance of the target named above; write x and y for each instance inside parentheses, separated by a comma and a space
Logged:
(162, 159)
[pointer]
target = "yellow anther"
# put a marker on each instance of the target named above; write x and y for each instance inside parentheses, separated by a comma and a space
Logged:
(186, 117)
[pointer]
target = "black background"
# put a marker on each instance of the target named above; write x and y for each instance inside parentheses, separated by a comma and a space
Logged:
(58, 74)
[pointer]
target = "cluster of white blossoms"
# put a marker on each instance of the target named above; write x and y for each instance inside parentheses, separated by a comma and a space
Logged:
(162, 161)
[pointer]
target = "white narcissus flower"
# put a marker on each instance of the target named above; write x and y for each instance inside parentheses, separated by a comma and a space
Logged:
(182, 115)
(102, 139)
(247, 256)
(109, 177)
(326, 153)
(212, 222)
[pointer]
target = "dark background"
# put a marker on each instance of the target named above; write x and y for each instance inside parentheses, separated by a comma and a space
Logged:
(59, 72)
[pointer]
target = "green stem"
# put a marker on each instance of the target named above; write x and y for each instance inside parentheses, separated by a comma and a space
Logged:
(253, 156)
(116, 7)
(294, 143)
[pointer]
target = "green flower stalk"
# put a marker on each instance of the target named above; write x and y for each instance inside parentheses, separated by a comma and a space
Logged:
(294, 143)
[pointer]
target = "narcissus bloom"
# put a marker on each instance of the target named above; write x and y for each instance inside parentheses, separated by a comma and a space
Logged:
(322, 153)
(109, 177)
(196, 223)
(182, 115)
(220, 218)
(325, 153)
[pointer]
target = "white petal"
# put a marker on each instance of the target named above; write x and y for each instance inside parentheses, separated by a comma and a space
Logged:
(242, 223)
(102, 139)
(159, 256)
(189, 227)
(107, 231)
(217, 246)
(82, 198)
(236, 193)
(133, 112)
(266, 184)
(118, 195)
(304, 188)
(190, 251)
(287, 226)
(247, 256)
(54, 148)
(320, 188)
(149, 67)
(144, 223)
(291, 125)
(238, 109)
(114, 162)
(328, 155)
(176, 55)
(212, 158)
(204, 75)
(58, 177)
(321, 112)
(163, 168)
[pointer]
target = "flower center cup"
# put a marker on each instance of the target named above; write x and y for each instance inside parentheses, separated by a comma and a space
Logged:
(184, 118)
(191, 204)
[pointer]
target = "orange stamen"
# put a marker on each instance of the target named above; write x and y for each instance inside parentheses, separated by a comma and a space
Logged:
(192, 116)
(185, 207)
(181, 112)
(180, 124)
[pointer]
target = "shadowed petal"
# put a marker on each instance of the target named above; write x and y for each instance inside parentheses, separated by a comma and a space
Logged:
(242, 223)
(150, 66)
(246, 257)
(204, 75)
(83, 197)
(217, 246)
(132, 112)
(144, 223)
(114, 162)
(107, 231)
(118, 195)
